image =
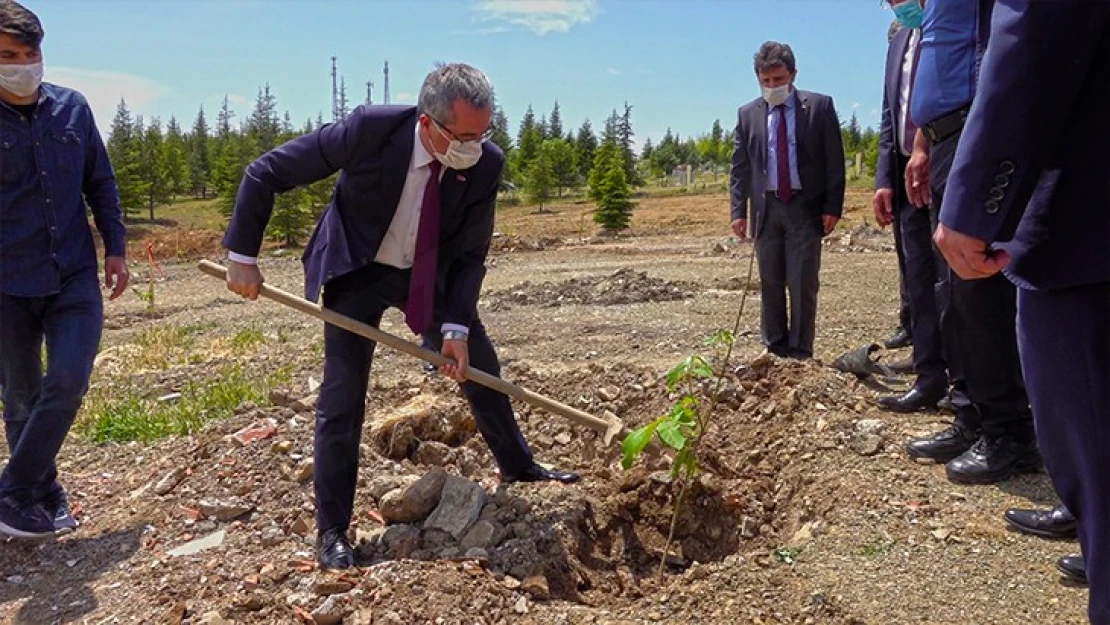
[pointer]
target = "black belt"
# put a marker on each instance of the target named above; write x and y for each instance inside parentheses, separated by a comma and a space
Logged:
(947, 126)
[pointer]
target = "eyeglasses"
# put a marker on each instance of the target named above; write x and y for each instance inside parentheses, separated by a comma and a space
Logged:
(480, 138)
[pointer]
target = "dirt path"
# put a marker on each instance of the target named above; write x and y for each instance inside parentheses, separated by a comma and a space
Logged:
(800, 517)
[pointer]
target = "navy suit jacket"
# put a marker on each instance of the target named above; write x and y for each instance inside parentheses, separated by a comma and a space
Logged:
(890, 170)
(371, 149)
(820, 158)
(1032, 168)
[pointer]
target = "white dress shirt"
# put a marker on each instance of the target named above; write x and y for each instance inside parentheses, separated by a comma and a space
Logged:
(904, 92)
(399, 244)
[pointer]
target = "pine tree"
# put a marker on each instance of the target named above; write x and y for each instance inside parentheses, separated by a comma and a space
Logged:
(227, 160)
(564, 163)
(152, 164)
(264, 126)
(199, 156)
(123, 151)
(175, 159)
(292, 218)
(500, 130)
(540, 177)
(610, 189)
(555, 123)
(625, 137)
(585, 145)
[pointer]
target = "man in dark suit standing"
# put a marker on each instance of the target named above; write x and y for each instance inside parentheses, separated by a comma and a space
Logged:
(993, 438)
(1028, 193)
(409, 226)
(789, 163)
(912, 227)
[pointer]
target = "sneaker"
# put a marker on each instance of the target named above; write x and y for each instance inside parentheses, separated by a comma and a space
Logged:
(21, 520)
(57, 508)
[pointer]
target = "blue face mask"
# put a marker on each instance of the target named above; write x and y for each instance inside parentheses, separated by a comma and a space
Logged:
(910, 13)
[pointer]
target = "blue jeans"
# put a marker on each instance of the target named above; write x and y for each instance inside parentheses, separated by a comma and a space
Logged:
(39, 409)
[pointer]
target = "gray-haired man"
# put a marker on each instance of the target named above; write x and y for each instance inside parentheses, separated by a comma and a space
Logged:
(409, 226)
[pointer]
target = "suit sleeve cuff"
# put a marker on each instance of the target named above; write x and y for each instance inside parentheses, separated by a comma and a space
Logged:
(455, 327)
(242, 259)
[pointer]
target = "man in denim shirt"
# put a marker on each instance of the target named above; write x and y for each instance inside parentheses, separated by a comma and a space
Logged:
(51, 161)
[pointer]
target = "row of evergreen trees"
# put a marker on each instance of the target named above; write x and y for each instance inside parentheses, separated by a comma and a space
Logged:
(156, 164)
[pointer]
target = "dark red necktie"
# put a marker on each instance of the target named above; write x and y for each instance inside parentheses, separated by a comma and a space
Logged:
(782, 155)
(422, 282)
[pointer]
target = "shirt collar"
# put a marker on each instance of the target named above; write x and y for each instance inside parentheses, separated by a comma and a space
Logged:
(420, 156)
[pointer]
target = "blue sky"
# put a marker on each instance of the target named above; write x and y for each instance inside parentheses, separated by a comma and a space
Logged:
(680, 63)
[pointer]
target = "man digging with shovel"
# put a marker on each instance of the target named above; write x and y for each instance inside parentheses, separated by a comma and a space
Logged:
(409, 226)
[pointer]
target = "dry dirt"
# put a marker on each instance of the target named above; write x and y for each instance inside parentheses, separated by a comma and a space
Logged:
(807, 510)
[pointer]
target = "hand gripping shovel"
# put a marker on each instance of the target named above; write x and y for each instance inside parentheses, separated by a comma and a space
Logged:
(608, 425)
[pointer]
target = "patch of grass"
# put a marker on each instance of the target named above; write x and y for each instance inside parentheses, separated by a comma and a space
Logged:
(878, 546)
(136, 417)
(247, 338)
(164, 345)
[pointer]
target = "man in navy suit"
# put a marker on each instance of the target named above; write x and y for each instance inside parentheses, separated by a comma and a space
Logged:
(409, 226)
(789, 164)
(912, 225)
(1029, 194)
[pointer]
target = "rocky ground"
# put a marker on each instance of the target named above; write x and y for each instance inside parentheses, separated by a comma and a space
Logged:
(806, 511)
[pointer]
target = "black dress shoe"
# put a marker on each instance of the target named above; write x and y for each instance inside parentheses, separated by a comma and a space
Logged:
(992, 460)
(536, 473)
(1055, 523)
(902, 338)
(913, 400)
(1073, 568)
(943, 446)
(333, 550)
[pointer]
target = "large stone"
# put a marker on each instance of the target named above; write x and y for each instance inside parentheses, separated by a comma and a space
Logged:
(459, 506)
(416, 501)
(305, 471)
(433, 453)
(382, 484)
(483, 534)
(169, 481)
(401, 541)
(196, 546)
(331, 612)
(305, 404)
(222, 510)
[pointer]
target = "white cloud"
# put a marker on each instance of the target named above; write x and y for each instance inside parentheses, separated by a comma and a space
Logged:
(492, 30)
(104, 89)
(538, 16)
(403, 98)
(855, 105)
(614, 71)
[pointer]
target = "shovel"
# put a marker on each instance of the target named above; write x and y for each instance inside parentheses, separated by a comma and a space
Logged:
(608, 425)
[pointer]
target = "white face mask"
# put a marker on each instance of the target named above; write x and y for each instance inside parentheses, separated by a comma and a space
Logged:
(459, 155)
(776, 95)
(22, 80)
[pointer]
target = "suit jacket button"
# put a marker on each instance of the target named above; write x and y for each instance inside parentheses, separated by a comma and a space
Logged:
(1001, 181)
(997, 194)
(1006, 167)
(992, 206)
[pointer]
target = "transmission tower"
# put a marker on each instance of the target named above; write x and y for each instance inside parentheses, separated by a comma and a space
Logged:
(385, 92)
(369, 89)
